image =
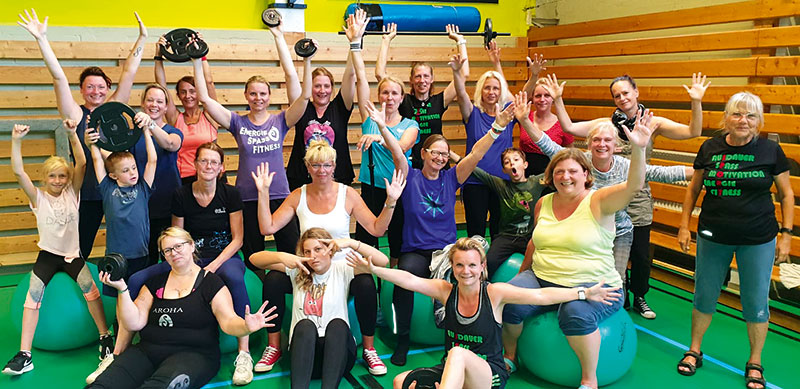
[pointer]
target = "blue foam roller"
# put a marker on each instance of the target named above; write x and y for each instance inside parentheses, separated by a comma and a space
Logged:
(431, 18)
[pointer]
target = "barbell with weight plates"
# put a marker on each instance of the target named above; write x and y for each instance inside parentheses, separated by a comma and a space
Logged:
(488, 33)
(183, 45)
(114, 121)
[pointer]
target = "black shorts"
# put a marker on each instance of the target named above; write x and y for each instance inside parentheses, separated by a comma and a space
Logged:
(48, 264)
(499, 375)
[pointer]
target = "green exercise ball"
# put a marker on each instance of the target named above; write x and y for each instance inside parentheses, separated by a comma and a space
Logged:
(64, 319)
(423, 327)
(544, 351)
(508, 269)
(253, 284)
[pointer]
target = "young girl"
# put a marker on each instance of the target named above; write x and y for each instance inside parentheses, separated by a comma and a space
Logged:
(56, 209)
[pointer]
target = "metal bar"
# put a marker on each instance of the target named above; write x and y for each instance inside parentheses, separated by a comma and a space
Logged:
(429, 33)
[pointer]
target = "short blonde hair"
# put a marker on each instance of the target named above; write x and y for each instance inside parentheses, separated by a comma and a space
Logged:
(393, 79)
(319, 151)
(563, 155)
(504, 95)
(605, 126)
(257, 79)
(177, 233)
(469, 244)
(155, 86)
(750, 102)
(56, 162)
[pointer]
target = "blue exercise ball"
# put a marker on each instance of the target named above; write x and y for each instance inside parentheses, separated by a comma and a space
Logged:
(64, 319)
(508, 269)
(543, 349)
(228, 343)
(423, 327)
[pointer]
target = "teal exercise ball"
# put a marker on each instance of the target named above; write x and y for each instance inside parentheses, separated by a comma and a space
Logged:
(508, 269)
(228, 343)
(64, 319)
(355, 328)
(423, 327)
(543, 349)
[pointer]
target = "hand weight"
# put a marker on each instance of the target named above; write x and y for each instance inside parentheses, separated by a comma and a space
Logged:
(114, 264)
(305, 48)
(114, 121)
(183, 45)
(426, 378)
(271, 18)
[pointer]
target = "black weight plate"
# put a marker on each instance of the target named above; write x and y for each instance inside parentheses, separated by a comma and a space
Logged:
(488, 34)
(114, 264)
(271, 17)
(198, 49)
(114, 121)
(426, 378)
(305, 47)
(177, 45)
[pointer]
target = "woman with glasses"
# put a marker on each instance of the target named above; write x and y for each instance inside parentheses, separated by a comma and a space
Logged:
(179, 344)
(327, 204)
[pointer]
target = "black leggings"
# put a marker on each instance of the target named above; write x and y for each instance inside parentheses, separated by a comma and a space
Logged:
(502, 247)
(641, 261)
(136, 368)
(277, 284)
(375, 198)
(326, 353)
(90, 215)
(478, 201)
(285, 238)
(417, 263)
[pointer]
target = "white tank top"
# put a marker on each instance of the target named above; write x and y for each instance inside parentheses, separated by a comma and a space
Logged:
(336, 222)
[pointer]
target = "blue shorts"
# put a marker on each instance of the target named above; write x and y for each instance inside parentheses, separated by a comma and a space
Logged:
(576, 318)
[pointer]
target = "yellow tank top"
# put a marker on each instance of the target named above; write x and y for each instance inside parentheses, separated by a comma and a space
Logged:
(575, 250)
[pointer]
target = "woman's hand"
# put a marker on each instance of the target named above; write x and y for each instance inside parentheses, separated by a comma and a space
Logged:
(553, 88)
(494, 52)
(699, 86)
(783, 248)
(600, 294)
(377, 116)
(32, 24)
(522, 107)
(19, 131)
(642, 130)
(262, 176)
(390, 31)
(91, 136)
(453, 32)
(359, 263)
(106, 279)
(684, 239)
(356, 25)
(143, 120)
(259, 319)
(366, 141)
(505, 116)
(457, 62)
(142, 28)
(70, 125)
(536, 64)
(395, 188)
(162, 42)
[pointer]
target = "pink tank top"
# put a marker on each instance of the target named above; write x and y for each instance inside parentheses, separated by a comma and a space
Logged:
(193, 136)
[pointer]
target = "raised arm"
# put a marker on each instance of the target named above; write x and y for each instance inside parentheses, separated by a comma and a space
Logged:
(356, 24)
(161, 79)
(364, 250)
(510, 294)
(692, 193)
(90, 138)
(556, 90)
(494, 56)
(376, 226)
(298, 106)
(231, 323)
(398, 155)
(67, 106)
(786, 197)
(461, 43)
(289, 71)
(536, 65)
(219, 113)
(149, 174)
(383, 54)
(674, 130)
(267, 222)
(348, 87)
(17, 133)
(77, 152)
(460, 84)
(611, 199)
(468, 163)
(123, 92)
(436, 288)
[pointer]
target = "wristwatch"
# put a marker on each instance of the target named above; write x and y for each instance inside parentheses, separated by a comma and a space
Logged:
(581, 293)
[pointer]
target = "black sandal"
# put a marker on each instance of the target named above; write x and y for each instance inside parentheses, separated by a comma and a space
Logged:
(754, 380)
(698, 362)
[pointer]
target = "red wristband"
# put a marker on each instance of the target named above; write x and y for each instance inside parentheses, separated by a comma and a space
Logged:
(204, 58)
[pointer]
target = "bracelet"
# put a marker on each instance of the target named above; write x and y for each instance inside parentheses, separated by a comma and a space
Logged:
(389, 206)
(158, 58)
(124, 290)
(498, 127)
(359, 245)
(461, 41)
(785, 230)
(204, 58)
(493, 134)
(355, 46)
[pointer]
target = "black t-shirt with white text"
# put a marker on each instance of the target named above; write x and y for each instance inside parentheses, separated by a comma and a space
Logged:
(737, 207)
(210, 226)
(428, 114)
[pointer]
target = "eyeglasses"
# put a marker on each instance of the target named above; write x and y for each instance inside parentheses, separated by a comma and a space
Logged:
(318, 166)
(437, 153)
(169, 251)
(209, 162)
(751, 117)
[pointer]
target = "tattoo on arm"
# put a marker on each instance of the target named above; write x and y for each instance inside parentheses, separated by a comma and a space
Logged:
(137, 52)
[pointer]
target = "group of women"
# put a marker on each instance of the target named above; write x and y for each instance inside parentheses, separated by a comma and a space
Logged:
(577, 240)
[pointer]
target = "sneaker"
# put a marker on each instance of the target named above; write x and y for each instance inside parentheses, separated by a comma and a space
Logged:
(21, 363)
(268, 359)
(243, 373)
(640, 306)
(374, 363)
(104, 364)
(106, 346)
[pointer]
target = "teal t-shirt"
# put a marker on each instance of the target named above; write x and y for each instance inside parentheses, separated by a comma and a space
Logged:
(382, 157)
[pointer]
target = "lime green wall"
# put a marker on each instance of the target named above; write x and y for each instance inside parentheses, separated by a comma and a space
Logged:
(321, 15)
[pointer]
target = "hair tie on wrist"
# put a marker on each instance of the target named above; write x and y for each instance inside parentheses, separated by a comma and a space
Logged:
(461, 41)
(204, 58)
(494, 134)
(498, 127)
